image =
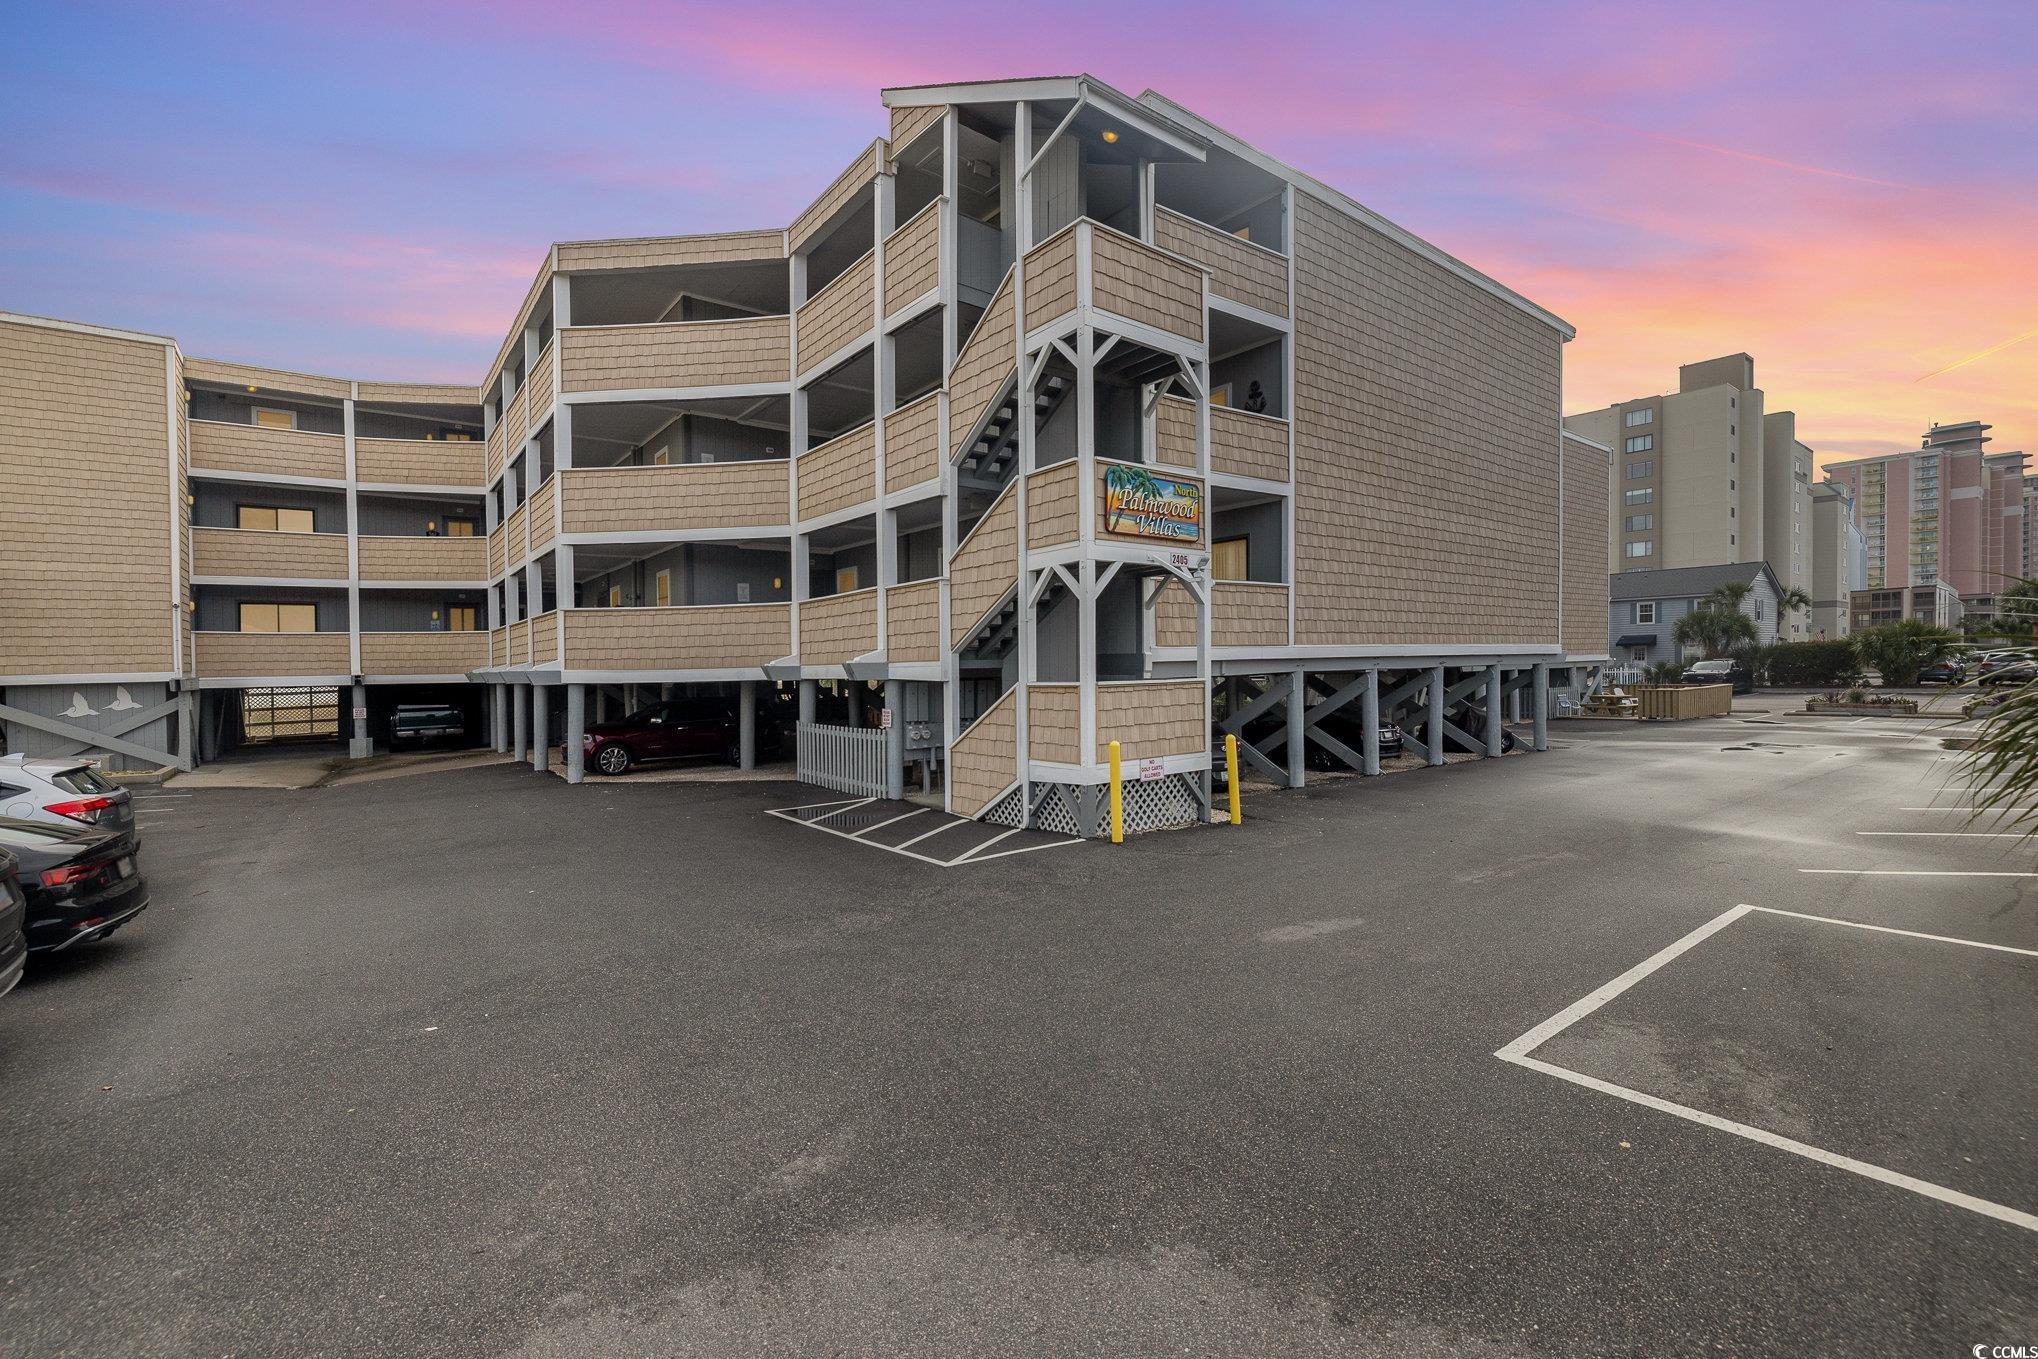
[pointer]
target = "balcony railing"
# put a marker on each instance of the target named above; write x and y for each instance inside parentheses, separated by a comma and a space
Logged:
(543, 530)
(913, 443)
(263, 553)
(913, 258)
(984, 566)
(1152, 719)
(280, 655)
(839, 313)
(838, 628)
(676, 355)
(421, 462)
(913, 622)
(391, 558)
(423, 653)
(217, 446)
(719, 495)
(1140, 283)
(1239, 270)
(1243, 613)
(838, 474)
(1053, 511)
(698, 637)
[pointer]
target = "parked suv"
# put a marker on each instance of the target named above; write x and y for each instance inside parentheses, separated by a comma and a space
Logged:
(676, 729)
(65, 792)
(1721, 671)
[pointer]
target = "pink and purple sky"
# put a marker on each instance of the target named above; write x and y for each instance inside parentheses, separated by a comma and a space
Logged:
(1847, 191)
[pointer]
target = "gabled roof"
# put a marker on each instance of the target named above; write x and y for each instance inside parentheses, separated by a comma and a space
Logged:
(1682, 582)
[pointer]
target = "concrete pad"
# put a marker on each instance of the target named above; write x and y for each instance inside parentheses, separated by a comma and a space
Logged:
(297, 772)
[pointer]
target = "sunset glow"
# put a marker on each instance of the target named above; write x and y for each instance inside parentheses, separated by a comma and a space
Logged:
(1847, 192)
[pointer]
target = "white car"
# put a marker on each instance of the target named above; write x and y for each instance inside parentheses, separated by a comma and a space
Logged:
(65, 791)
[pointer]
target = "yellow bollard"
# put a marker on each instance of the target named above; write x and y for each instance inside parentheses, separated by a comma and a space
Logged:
(1231, 774)
(1117, 799)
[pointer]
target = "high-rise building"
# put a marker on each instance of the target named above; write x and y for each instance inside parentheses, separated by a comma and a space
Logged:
(1054, 410)
(1943, 512)
(1707, 476)
(1839, 560)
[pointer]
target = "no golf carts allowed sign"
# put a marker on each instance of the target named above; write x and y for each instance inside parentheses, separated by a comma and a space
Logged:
(1141, 505)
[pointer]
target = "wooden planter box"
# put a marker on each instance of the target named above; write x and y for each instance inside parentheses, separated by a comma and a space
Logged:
(1906, 708)
(1682, 702)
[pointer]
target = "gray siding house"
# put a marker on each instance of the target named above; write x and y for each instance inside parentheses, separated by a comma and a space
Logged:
(1643, 606)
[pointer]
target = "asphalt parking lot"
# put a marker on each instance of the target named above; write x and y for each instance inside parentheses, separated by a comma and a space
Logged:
(475, 1062)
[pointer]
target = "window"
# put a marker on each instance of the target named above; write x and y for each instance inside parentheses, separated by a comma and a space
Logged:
(1640, 549)
(1638, 653)
(1638, 523)
(1641, 443)
(1758, 610)
(1645, 613)
(270, 519)
(1221, 396)
(279, 618)
(1638, 470)
(1641, 417)
(845, 580)
(1641, 497)
(662, 458)
(664, 595)
(615, 596)
(1228, 559)
(460, 528)
(269, 418)
(462, 618)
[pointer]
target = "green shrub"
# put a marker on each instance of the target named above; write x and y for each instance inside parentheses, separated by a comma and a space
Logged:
(1806, 663)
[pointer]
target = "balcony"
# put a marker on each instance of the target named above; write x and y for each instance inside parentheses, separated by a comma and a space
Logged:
(273, 655)
(913, 443)
(699, 637)
(1053, 516)
(385, 560)
(519, 643)
(838, 474)
(516, 546)
(1242, 444)
(220, 447)
(264, 554)
(652, 500)
(1149, 719)
(496, 442)
(1243, 613)
(496, 542)
(541, 517)
(838, 628)
(542, 385)
(1051, 278)
(423, 653)
(1143, 284)
(544, 636)
(421, 462)
(839, 314)
(913, 258)
(912, 622)
(676, 355)
(1239, 270)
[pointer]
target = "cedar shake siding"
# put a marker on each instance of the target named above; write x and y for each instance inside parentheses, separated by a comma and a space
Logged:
(85, 560)
(1410, 381)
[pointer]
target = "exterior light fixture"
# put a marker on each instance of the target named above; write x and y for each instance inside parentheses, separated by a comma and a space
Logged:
(251, 389)
(1110, 135)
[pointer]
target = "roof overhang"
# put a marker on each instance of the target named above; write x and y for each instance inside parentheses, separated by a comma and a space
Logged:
(1151, 123)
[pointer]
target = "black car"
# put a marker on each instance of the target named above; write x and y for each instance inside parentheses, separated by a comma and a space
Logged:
(1721, 671)
(13, 912)
(82, 884)
(1942, 672)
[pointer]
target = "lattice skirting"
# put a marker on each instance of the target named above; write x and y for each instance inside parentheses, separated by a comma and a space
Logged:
(1009, 810)
(1085, 808)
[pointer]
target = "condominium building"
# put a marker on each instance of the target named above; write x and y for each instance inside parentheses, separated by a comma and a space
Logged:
(1944, 512)
(1706, 476)
(1055, 410)
(1839, 560)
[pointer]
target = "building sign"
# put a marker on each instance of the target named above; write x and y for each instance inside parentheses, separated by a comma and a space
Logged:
(1138, 503)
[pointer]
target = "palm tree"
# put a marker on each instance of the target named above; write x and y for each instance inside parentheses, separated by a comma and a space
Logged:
(1898, 651)
(1729, 595)
(1793, 599)
(1715, 627)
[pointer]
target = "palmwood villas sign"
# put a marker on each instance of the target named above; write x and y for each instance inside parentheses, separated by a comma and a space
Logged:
(1138, 503)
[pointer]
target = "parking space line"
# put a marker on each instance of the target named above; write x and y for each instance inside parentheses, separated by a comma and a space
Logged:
(972, 853)
(1023, 849)
(1890, 929)
(928, 835)
(892, 821)
(1518, 1051)
(1976, 835)
(1917, 873)
(845, 807)
(1972, 811)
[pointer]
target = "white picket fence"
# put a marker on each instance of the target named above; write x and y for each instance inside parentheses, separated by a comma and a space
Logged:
(846, 759)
